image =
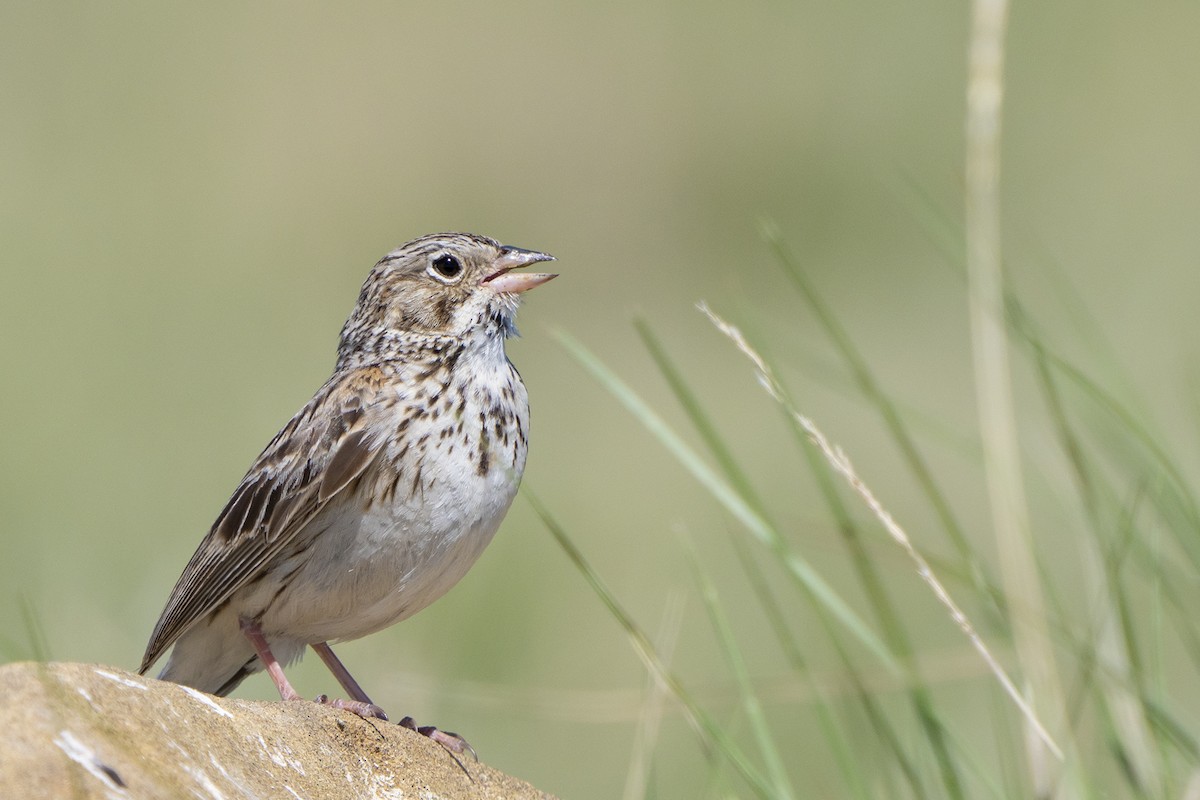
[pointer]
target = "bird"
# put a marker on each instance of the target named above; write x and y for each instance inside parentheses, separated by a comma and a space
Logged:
(380, 493)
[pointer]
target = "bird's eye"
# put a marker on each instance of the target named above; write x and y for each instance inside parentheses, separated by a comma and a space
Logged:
(447, 268)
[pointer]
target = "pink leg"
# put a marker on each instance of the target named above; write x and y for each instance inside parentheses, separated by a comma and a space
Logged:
(340, 672)
(254, 633)
(361, 704)
(450, 741)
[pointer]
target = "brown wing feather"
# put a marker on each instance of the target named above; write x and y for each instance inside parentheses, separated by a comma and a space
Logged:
(307, 463)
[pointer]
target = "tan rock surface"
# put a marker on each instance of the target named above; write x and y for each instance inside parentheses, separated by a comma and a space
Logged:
(89, 731)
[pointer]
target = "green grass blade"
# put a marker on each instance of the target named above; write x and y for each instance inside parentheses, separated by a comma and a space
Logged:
(1175, 500)
(704, 426)
(35, 632)
(712, 735)
(874, 393)
(741, 674)
(847, 761)
(895, 636)
(796, 566)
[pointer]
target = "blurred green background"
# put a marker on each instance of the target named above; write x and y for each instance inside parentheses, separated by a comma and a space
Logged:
(191, 195)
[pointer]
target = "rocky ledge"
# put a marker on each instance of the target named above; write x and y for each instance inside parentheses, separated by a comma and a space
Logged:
(88, 731)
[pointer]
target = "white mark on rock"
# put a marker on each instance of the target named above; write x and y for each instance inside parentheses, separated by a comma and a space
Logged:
(85, 757)
(292, 792)
(280, 756)
(120, 679)
(221, 769)
(85, 694)
(383, 786)
(205, 782)
(203, 698)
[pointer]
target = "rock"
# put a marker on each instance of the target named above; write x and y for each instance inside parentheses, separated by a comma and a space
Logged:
(88, 731)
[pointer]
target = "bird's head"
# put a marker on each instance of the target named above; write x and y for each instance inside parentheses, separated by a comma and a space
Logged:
(445, 284)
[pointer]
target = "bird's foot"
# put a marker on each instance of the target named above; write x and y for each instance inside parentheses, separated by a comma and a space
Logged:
(364, 710)
(451, 741)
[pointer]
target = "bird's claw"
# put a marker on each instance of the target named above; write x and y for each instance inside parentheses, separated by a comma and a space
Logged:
(447, 739)
(364, 710)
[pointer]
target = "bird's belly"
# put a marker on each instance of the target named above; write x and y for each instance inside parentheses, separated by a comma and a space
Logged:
(372, 563)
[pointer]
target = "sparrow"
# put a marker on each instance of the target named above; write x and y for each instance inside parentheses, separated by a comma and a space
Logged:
(380, 493)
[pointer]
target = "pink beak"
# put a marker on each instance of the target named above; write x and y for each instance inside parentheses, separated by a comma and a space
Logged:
(504, 281)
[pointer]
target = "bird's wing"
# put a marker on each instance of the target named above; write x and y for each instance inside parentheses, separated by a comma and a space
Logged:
(323, 449)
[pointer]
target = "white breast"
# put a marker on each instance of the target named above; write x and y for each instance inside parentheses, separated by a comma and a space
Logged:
(408, 540)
